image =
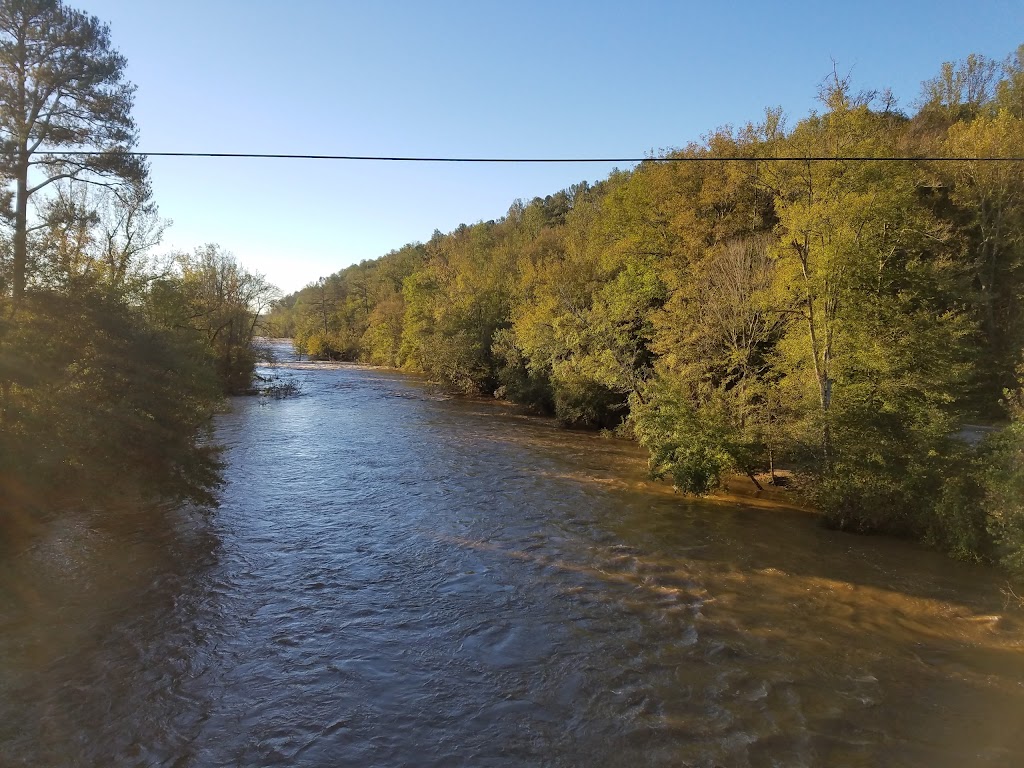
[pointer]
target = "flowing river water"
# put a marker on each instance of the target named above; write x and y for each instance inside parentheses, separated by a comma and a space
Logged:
(396, 577)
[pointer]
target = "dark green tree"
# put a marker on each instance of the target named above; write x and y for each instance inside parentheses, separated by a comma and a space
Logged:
(62, 90)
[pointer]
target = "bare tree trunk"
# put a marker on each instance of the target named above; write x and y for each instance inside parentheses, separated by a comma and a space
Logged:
(20, 231)
(754, 480)
(5, 394)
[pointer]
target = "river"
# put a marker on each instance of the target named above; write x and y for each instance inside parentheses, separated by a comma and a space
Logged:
(398, 577)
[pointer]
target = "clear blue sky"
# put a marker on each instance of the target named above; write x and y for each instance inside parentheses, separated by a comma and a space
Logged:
(481, 78)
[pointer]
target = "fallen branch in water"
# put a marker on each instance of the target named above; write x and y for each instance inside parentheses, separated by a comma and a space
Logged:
(277, 387)
(1009, 596)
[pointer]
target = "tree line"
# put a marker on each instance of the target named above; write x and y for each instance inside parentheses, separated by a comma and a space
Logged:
(112, 359)
(755, 308)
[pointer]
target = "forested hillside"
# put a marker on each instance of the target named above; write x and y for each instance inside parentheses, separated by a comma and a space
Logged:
(800, 296)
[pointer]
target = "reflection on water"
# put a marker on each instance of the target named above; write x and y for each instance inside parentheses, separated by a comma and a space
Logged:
(400, 578)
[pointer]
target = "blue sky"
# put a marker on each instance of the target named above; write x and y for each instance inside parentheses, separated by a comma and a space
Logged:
(468, 79)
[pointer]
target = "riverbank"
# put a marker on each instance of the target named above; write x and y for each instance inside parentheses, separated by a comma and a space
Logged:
(736, 489)
(510, 592)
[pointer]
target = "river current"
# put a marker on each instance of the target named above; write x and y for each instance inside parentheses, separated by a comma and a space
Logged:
(397, 577)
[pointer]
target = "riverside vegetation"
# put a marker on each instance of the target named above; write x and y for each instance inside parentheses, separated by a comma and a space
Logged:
(803, 297)
(111, 360)
(841, 317)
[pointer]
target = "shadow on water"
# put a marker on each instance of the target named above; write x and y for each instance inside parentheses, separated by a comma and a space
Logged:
(96, 608)
(397, 577)
(935, 638)
(802, 647)
(747, 535)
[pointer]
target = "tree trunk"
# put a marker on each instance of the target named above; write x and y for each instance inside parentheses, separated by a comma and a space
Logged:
(753, 479)
(20, 231)
(5, 398)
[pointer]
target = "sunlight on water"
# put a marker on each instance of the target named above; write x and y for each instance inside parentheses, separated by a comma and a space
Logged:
(399, 577)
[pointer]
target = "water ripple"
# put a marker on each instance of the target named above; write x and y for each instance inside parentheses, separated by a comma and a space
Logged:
(396, 577)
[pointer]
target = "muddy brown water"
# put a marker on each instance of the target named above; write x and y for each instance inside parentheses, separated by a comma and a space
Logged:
(396, 577)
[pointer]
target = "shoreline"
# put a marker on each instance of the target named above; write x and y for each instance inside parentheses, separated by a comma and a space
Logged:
(736, 489)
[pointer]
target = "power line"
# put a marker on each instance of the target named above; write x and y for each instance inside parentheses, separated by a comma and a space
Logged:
(512, 160)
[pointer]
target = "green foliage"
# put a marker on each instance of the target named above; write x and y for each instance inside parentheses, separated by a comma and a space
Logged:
(61, 87)
(962, 90)
(382, 340)
(456, 304)
(839, 318)
(108, 385)
(987, 202)
(219, 301)
(91, 381)
(1003, 481)
(110, 366)
(695, 442)
(959, 525)
(980, 514)
(581, 400)
(516, 380)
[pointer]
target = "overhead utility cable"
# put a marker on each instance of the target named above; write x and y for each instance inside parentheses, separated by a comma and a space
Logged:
(400, 159)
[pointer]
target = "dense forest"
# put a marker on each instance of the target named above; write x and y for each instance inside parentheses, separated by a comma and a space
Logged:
(825, 304)
(112, 359)
(836, 305)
